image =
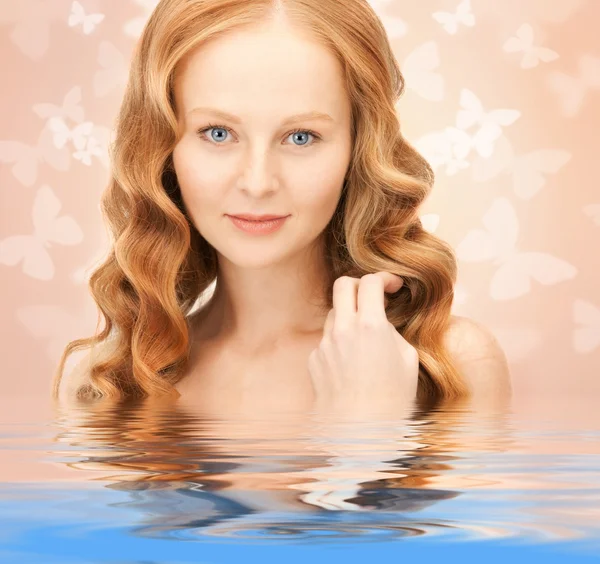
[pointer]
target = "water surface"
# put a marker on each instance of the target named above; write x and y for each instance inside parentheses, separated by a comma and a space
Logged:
(161, 482)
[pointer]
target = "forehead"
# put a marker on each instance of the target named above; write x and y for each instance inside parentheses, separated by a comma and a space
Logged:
(261, 72)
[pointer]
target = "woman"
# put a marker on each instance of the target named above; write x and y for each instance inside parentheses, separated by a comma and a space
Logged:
(210, 128)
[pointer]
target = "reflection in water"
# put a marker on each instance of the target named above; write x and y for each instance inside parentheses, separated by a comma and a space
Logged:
(187, 471)
(162, 469)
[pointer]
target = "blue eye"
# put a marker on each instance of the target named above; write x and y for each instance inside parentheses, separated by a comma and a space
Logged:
(213, 127)
(201, 132)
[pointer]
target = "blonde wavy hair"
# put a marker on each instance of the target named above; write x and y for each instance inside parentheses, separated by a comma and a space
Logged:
(159, 264)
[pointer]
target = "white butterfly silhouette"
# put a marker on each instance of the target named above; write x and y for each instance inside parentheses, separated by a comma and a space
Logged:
(472, 113)
(71, 107)
(490, 123)
(586, 337)
(461, 296)
(395, 27)
(98, 146)
(56, 327)
(450, 21)
(573, 89)
(62, 134)
(134, 27)
(593, 211)
(497, 243)
(446, 148)
(452, 146)
(114, 69)
(418, 70)
(527, 170)
(26, 158)
(518, 342)
(32, 20)
(544, 11)
(78, 16)
(482, 141)
(48, 229)
(522, 42)
(92, 147)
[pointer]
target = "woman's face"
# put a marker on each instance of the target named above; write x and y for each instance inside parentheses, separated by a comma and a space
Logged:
(253, 163)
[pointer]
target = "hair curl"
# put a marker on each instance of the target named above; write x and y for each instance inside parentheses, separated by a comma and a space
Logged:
(159, 264)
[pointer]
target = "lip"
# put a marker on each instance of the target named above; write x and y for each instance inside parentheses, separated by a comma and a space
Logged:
(262, 227)
(251, 217)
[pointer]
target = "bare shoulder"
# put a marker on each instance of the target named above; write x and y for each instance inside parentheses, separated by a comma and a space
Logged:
(463, 333)
(79, 375)
(479, 356)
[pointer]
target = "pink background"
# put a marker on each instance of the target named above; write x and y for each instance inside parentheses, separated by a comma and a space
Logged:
(503, 98)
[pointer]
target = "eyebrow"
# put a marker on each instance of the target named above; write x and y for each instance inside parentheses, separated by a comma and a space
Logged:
(291, 119)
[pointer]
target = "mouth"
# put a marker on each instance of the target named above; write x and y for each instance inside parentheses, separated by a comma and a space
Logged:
(250, 217)
(258, 227)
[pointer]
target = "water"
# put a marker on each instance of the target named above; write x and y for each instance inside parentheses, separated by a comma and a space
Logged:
(153, 482)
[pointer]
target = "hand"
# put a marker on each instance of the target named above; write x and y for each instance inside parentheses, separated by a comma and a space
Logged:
(362, 360)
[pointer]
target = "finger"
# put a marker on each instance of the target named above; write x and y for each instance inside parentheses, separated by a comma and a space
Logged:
(344, 300)
(371, 297)
(391, 282)
(329, 322)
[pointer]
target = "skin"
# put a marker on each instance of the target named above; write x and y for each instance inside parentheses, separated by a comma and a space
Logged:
(263, 317)
(267, 284)
(362, 361)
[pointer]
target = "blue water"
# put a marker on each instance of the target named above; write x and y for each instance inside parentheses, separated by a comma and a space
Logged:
(160, 484)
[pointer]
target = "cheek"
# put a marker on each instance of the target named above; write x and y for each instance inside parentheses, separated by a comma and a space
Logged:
(320, 197)
(321, 191)
(199, 182)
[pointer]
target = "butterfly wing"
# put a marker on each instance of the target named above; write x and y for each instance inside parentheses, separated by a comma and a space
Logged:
(587, 337)
(48, 226)
(419, 72)
(528, 170)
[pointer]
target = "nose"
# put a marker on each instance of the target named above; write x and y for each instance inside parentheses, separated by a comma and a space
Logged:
(259, 177)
